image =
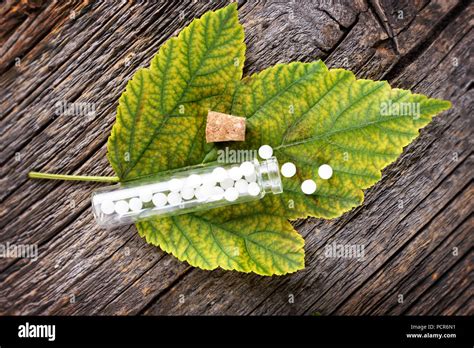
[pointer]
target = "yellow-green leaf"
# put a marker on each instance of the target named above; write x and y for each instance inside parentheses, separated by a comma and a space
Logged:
(312, 116)
(247, 238)
(160, 126)
(161, 115)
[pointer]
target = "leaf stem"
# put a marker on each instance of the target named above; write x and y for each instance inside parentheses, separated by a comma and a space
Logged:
(37, 175)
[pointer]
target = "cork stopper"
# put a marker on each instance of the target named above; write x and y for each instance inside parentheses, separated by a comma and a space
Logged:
(224, 127)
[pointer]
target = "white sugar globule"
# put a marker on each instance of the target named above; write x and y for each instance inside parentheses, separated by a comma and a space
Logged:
(145, 195)
(159, 199)
(235, 173)
(265, 151)
(253, 189)
(231, 194)
(247, 168)
(203, 192)
(251, 178)
(220, 174)
(208, 180)
(194, 180)
(288, 170)
(241, 186)
(107, 207)
(217, 193)
(227, 183)
(121, 207)
(325, 171)
(308, 186)
(135, 204)
(175, 185)
(187, 192)
(174, 198)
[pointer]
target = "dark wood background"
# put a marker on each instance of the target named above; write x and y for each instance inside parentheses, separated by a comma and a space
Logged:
(416, 223)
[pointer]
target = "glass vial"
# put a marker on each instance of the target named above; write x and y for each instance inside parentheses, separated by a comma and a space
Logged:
(186, 190)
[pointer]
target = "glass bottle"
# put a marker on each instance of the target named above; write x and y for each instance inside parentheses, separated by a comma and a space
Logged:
(186, 190)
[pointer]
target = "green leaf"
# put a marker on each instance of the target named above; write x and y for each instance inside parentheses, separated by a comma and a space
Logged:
(246, 238)
(160, 126)
(161, 115)
(310, 115)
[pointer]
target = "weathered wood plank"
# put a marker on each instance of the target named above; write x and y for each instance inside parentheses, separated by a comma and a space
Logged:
(426, 257)
(450, 294)
(116, 272)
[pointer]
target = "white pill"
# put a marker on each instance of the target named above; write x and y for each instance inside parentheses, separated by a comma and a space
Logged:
(288, 170)
(145, 195)
(121, 207)
(107, 207)
(217, 193)
(227, 183)
(251, 178)
(135, 204)
(203, 192)
(231, 194)
(193, 180)
(308, 186)
(175, 185)
(187, 192)
(325, 171)
(248, 168)
(208, 180)
(220, 174)
(174, 198)
(265, 151)
(241, 186)
(235, 173)
(253, 189)
(159, 199)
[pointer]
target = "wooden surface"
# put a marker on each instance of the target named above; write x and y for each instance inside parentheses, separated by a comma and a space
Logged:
(416, 224)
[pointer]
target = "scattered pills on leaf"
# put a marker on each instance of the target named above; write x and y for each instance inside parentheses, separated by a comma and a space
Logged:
(325, 171)
(265, 151)
(288, 170)
(308, 186)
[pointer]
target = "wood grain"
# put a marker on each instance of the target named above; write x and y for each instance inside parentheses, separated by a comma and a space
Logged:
(86, 52)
